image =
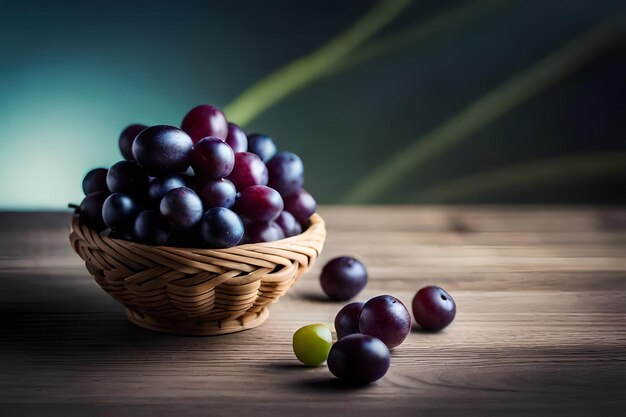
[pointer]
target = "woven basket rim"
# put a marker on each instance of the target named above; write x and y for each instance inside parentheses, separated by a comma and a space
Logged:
(316, 220)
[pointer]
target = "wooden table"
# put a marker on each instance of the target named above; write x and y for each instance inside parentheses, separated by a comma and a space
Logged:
(540, 330)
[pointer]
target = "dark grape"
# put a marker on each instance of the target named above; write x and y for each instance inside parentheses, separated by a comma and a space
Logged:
(386, 318)
(163, 150)
(160, 185)
(433, 308)
(151, 229)
(249, 170)
(205, 120)
(359, 359)
(286, 173)
(301, 205)
(342, 278)
(259, 203)
(119, 212)
(237, 138)
(263, 232)
(289, 224)
(216, 193)
(127, 178)
(261, 145)
(347, 319)
(181, 207)
(221, 228)
(212, 158)
(95, 181)
(90, 210)
(127, 137)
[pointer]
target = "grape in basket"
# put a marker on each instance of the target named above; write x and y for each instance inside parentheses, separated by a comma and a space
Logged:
(182, 230)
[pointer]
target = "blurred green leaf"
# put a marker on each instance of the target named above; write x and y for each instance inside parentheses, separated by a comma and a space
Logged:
(420, 31)
(502, 99)
(300, 72)
(536, 173)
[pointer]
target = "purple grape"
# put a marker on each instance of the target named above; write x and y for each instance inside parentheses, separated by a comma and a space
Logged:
(359, 359)
(160, 185)
(127, 137)
(286, 173)
(237, 138)
(181, 207)
(90, 210)
(342, 278)
(249, 170)
(433, 308)
(119, 212)
(163, 150)
(386, 318)
(221, 228)
(212, 158)
(205, 120)
(259, 203)
(127, 178)
(347, 319)
(262, 232)
(151, 229)
(301, 205)
(216, 193)
(95, 181)
(262, 145)
(289, 224)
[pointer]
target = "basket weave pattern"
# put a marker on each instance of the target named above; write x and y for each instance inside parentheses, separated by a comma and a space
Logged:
(197, 291)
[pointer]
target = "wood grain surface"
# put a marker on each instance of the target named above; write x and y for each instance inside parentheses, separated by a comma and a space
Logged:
(540, 329)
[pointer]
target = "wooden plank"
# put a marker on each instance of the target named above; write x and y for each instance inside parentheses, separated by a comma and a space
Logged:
(540, 330)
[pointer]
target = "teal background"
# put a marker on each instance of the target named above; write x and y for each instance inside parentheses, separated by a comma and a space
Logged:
(74, 74)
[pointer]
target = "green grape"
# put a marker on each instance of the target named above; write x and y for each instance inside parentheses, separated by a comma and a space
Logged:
(312, 343)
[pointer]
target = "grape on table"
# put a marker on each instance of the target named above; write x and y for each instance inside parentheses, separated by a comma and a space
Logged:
(386, 318)
(359, 359)
(433, 308)
(343, 277)
(347, 319)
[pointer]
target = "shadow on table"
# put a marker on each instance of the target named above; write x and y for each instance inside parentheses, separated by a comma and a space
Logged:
(317, 297)
(43, 316)
(316, 378)
(331, 383)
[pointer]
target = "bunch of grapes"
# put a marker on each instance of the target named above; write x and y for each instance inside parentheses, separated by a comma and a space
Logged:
(206, 185)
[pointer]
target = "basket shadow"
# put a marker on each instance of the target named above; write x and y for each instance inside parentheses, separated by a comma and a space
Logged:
(44, 315)
(315, 297)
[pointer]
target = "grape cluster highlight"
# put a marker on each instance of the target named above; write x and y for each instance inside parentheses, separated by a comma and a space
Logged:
(204, 185)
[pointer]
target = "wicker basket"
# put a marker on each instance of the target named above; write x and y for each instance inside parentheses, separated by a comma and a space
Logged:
(197, 291)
